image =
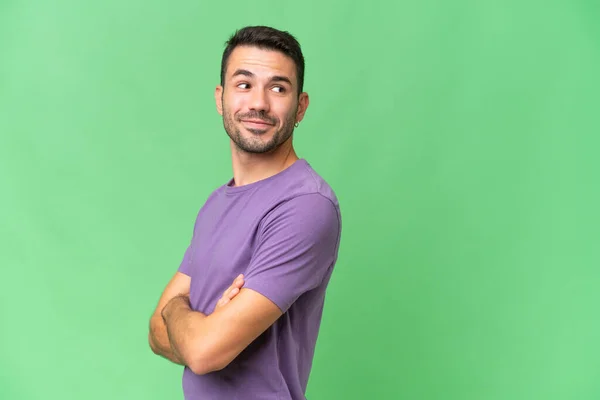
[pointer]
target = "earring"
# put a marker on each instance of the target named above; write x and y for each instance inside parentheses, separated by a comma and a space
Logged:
(296, 124)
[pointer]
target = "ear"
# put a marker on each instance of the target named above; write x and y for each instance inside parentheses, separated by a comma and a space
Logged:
(302, 106)
(219, 99)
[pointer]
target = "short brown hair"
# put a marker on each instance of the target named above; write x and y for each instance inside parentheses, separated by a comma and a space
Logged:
(268, 38)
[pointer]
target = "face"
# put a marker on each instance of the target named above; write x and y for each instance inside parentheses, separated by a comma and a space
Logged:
(259, 101)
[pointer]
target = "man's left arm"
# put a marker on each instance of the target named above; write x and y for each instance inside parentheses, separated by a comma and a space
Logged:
(209, 343)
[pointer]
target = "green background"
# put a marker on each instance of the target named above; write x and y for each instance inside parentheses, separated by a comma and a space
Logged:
(461, 139)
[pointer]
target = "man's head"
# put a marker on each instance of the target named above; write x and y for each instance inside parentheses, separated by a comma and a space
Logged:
(260, 96)
(266, 38)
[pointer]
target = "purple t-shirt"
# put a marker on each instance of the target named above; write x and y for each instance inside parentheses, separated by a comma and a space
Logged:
(283, 234)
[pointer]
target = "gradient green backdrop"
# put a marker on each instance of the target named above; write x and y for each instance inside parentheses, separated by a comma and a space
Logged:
(460, 136)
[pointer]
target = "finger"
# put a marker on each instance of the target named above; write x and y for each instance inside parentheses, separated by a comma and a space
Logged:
(232, 293)
(227, 291)
(224, 301)
(237, 282)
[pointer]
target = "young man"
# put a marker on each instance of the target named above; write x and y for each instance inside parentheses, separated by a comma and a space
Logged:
(274, 230)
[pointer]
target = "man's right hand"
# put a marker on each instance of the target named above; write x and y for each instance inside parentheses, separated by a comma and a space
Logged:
(231, 291)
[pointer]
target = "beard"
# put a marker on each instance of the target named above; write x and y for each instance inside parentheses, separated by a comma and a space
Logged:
(255, 144)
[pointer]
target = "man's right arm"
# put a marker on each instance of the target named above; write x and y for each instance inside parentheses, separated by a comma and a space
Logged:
(158, 337)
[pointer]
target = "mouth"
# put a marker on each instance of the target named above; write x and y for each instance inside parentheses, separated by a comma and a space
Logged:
(256, 123)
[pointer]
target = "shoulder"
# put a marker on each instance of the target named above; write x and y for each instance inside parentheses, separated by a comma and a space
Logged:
(312, 193)
(304, 215)
(307, 186)
(307, 224)
(308, 207)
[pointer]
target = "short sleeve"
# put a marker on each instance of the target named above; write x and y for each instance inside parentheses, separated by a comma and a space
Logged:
(184, 267)
(297, 245)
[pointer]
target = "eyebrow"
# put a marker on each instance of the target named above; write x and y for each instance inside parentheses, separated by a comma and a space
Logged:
(276, 78)
(279, 78)
(244, 72)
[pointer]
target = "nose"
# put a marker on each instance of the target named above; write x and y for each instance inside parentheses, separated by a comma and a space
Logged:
(259, 100)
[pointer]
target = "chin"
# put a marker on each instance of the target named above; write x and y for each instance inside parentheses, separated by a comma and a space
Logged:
(258, 132)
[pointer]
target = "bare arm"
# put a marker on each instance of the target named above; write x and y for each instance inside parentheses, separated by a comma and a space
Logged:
(157, 336)
(210, 343)
(179, 285)
(298, 247)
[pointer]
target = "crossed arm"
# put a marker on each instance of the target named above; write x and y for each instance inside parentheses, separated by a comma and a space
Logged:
(207, 343)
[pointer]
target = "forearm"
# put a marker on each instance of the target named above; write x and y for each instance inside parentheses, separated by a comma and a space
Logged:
(181, 327)
(159, 340)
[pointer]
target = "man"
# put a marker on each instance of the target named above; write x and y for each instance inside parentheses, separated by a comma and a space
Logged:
(242, 313)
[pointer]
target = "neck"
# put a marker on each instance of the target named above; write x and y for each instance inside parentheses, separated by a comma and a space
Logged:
(251, 167)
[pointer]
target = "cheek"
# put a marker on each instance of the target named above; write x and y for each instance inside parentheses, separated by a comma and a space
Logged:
(284, 112)
(232, 104)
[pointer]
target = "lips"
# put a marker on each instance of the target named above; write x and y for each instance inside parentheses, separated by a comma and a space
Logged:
(256, 124)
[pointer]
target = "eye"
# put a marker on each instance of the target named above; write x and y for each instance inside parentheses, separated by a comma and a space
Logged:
(279, 89)
(243, 85)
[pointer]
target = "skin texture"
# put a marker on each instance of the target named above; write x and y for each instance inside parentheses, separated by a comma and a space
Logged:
(267, 96)
(259, 104)
(178, 286)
